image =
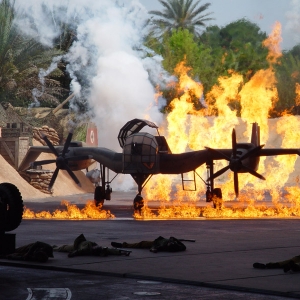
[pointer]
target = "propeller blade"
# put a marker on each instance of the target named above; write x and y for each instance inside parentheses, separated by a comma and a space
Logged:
(49, 144)
(76, 158)
(236, 184)
(254, 173)
(217, 151)
(67, 144)
(53, 179)
(43, 162)
(220, 172)
(233, 143)
(251, 152)
(73, 176)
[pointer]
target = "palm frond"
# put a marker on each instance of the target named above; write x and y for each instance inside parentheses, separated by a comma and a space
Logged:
(184, 14)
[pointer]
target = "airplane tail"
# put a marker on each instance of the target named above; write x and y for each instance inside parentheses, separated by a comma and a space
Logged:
(92, 135)
(255, 136)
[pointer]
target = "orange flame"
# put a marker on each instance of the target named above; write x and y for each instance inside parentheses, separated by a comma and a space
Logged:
(72, 212)
(188, 129)
(273, 43)
(191, 129)
(297, 90)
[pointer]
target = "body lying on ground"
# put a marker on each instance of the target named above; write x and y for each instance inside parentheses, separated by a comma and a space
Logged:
(160, 244)
(37, 251)
(292, 264)
(82, 246)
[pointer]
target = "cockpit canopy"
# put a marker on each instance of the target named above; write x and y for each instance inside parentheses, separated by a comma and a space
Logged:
(140, 153)
(141, 149)
(132, 127)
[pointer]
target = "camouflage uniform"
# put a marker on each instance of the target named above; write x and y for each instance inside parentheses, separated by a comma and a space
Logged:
(160, 244)
(289, 264)
(37, 251)
(83, 247)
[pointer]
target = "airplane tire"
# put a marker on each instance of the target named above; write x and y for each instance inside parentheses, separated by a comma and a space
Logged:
(99, 196)
(12, 201)
(99, 202)
(217, 200)
(138, 203)
(217, 192)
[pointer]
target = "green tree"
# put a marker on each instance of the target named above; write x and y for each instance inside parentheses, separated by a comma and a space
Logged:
(181, 46)
(180, 14)
(239, 45)
(204, 64)
(288, 75)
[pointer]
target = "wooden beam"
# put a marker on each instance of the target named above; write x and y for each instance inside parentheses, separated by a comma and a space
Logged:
(8, 151)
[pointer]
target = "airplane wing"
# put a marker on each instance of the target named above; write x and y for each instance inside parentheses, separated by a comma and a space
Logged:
(32, 154)
(107, 157)
(277, 151)
(185, 162)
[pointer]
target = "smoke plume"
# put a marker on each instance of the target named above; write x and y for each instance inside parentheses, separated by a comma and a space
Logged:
(107, 61)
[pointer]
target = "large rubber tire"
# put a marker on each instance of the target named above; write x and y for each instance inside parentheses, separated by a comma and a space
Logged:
(12, 200)
(99, 196)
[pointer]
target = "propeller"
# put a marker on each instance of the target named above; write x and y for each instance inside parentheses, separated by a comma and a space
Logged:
(235, 163)
(61, 160)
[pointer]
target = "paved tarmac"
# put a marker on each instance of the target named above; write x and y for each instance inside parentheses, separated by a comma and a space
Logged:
(221, 258)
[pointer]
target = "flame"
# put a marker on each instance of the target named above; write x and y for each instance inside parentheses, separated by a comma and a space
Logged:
(273, 43)
(297, 90)
(190, 129)
(177, 210)
(72, 212)
(237, 105)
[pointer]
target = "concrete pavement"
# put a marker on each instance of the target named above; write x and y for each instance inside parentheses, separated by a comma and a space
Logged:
(221, 257)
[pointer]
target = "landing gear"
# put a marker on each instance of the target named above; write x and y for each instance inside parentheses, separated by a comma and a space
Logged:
(102, 194)
(141, 180)
(102, 191)
(99, 196)
(213, 194)
(217, 198)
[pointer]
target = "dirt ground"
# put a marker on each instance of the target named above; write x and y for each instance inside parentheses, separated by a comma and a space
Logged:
(63, 185)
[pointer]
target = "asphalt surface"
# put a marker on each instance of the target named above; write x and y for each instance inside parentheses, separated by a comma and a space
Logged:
(217, 266)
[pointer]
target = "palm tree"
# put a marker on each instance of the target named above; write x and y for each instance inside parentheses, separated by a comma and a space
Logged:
(180, 14)
(21, 59)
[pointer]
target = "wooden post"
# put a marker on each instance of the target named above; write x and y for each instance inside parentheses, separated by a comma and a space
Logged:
(14, 149)
(58, 107)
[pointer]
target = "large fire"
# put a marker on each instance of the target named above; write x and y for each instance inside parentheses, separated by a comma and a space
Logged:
(279, 195)
(191, 129)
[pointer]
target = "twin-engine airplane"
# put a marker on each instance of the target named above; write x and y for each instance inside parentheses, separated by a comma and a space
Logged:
(144, 155)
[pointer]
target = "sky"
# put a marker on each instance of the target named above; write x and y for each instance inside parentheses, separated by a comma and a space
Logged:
(262, 12)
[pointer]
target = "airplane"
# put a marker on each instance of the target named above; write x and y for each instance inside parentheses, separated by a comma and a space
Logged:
(144, 155)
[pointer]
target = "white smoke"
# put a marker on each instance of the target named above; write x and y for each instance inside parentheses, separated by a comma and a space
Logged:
(108, 56)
